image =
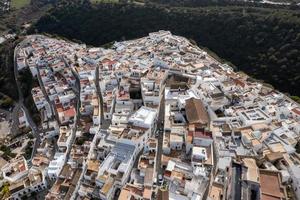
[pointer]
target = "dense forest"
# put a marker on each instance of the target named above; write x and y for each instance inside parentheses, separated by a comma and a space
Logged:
(263, 42)
(197, 3)
(8, 90)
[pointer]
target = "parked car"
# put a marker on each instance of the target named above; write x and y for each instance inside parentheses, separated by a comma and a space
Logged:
(155, 181)
(160, 179)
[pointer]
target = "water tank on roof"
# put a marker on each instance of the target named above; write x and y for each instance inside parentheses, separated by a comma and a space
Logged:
(245, 140)
(256, 134)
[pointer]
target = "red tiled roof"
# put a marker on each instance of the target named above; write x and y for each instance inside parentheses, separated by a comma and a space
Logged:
(71, 112)
(202, 134)
(239, 82)
(22, 167)
(196, 112)
(296, 110)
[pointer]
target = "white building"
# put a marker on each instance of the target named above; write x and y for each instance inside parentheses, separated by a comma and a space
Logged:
(115, 169)
(144, 117)
(295, 177)
(56, 165)
(33, 183)
(176, 141)
(253, 116)
(15, 169)
(120, 119)
(64, 140)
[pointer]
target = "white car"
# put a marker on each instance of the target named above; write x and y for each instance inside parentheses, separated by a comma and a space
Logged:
(154, 181)
(160, 179)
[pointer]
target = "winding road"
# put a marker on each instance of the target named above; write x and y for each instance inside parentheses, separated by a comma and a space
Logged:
(20, 102)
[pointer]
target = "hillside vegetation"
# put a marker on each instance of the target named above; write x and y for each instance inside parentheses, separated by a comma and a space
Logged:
(7, 80)
(196, 3)
(19, 3)
(263, 42)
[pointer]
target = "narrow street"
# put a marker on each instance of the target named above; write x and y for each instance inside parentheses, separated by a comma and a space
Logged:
(236, 181)
(51, 103)
(102, 123)
(78, 104)
(160, 128)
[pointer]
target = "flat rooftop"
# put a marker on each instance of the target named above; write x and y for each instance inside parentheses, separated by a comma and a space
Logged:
(270, 185)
